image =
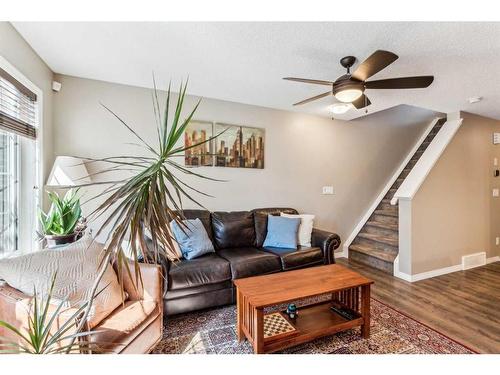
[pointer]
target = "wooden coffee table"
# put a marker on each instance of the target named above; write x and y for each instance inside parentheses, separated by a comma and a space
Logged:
(350, 292)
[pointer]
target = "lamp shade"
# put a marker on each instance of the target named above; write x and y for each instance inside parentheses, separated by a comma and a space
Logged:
(68, 171)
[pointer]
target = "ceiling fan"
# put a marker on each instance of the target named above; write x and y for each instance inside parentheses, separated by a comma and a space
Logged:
(350, 88)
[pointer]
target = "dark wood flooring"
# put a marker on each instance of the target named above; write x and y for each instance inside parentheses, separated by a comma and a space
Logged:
(464, 305)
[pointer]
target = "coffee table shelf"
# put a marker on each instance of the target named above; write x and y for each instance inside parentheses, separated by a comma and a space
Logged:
(346, 289)
(314, 321)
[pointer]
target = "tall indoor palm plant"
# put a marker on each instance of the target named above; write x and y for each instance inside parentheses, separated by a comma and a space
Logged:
(150, 199)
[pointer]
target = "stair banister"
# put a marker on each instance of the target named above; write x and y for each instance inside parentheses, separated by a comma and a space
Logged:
(419, 172)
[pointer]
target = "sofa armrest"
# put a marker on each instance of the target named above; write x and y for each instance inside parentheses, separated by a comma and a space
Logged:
(327, 241)
(162, 261)
(152, 281)
(15, 310)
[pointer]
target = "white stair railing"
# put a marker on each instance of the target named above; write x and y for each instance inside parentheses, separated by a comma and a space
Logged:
(432, 153)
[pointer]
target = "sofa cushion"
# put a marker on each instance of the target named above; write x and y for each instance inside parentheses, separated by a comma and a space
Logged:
(207, 269)
(204, 216)
(124, 324)
(249, 261)
(305, 228)
(233, 229)
(201, 289)
(192, 238)
(77, 266)
(282, 232)
(260, 219)
(302, 257)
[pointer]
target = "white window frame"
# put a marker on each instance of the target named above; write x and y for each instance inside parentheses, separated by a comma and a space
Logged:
(21, 78)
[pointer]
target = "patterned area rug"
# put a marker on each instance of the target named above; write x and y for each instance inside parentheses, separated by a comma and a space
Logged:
(213, 332)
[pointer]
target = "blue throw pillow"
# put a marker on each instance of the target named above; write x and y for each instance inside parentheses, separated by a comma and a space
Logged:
(282, 232)
(192, 238)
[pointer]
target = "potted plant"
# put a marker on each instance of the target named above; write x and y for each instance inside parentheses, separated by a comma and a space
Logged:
(62, 223)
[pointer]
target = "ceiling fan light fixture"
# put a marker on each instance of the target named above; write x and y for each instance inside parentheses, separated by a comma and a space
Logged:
(348, 95)
(340, 108)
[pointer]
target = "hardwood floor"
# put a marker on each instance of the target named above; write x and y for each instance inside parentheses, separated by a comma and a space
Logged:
(463, 305)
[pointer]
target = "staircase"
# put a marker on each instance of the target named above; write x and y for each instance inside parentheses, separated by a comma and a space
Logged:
(377, 242)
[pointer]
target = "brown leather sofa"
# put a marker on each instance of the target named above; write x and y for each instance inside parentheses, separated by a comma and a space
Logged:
(135, 327)
(238, 239)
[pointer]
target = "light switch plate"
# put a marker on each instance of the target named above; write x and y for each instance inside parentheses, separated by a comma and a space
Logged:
(496, 138)
(496, 192)
(497, 241)
(327, 190)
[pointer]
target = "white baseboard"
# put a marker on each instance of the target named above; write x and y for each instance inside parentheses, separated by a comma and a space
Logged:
(437, 272)
(386, 188)
(342, 254)
(492, 259)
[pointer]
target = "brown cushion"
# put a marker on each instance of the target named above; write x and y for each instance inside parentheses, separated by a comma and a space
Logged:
(207, 269)
(302, 257)
(249, 261)
(260, 218)
(124, 324)
(233, 229)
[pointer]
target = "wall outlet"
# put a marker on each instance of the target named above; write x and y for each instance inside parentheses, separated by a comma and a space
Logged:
(497, 241)
(327, 190)
(496, 192)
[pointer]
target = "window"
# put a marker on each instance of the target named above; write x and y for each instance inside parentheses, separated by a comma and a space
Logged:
(18, 165)
(8, 191)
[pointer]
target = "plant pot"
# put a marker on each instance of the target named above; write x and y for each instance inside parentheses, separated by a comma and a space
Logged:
(54, 241)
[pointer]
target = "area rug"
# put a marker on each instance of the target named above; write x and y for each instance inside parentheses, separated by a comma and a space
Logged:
(214, 332)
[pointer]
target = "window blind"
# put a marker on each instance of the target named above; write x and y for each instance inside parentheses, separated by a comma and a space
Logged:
(17, 107)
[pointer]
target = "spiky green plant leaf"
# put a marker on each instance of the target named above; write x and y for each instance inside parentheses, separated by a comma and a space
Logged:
(41, 336)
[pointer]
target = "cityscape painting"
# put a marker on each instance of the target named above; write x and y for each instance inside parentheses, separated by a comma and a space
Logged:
(201, 155)
(239, 146)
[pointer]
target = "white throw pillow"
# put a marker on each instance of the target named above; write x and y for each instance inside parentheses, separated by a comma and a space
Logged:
(305, 228)
(77, 268)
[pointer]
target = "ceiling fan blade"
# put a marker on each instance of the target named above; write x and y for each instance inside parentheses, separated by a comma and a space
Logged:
(374, 64)
(361, 102)
(313, 81)
(401, 83)
(314, 98)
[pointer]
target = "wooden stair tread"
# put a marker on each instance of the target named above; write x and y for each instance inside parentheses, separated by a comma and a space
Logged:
(393, 213)
(386, 256)
(393, 241)
(379, 224)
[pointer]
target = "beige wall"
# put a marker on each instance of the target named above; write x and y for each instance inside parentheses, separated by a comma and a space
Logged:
(453, 212)
(19, 53)
(303, 152)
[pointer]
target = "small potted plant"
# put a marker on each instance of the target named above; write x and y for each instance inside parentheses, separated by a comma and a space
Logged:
(63, 223)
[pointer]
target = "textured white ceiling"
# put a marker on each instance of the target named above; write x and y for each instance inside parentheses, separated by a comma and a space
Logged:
(244, 62)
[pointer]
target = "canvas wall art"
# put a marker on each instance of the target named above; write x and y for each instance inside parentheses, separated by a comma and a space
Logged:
(239, 146)
(201, 155)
